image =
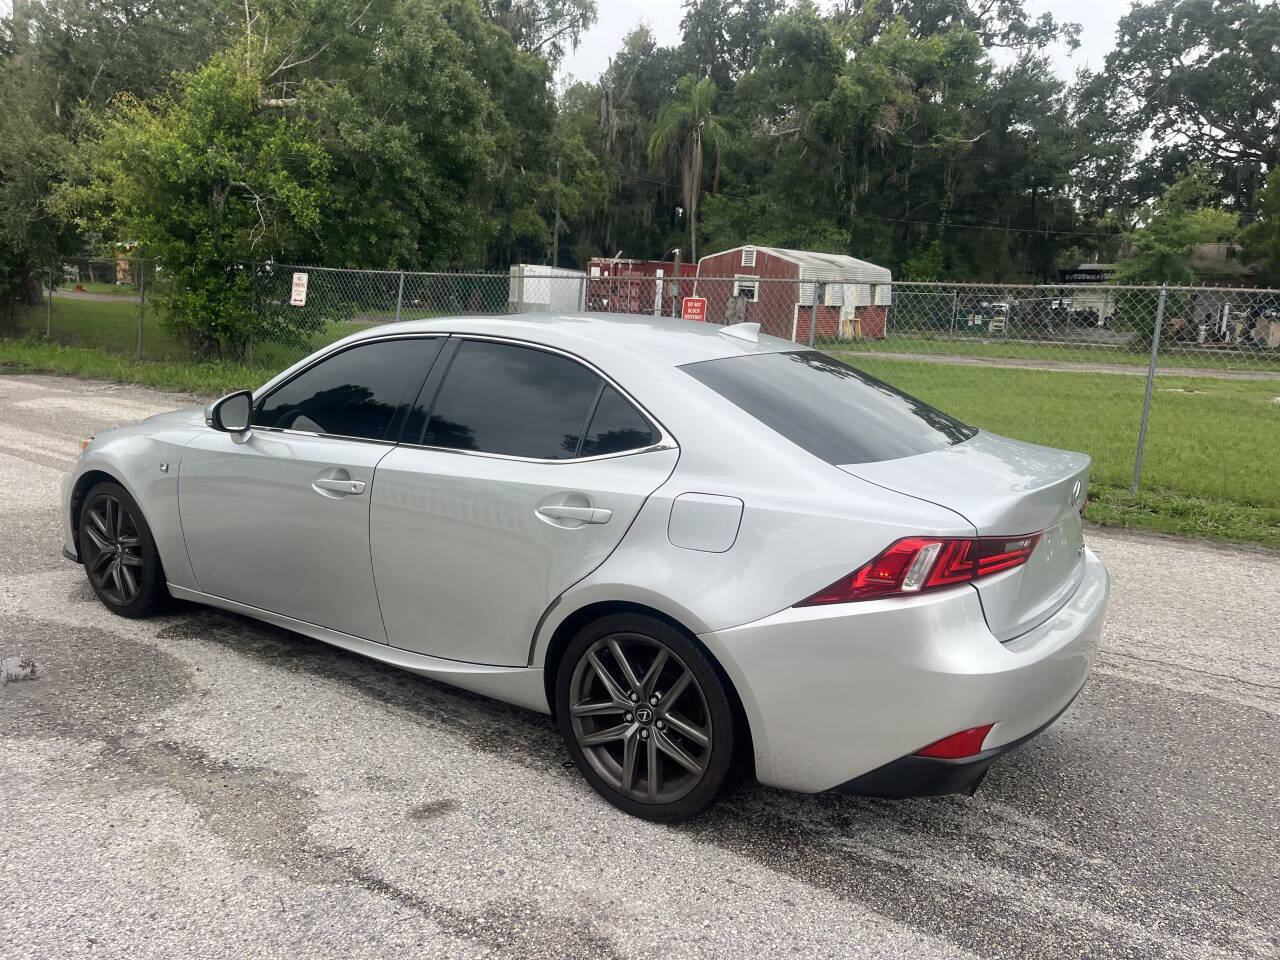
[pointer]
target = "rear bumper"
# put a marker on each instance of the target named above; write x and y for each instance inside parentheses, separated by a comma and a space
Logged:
(836, 693)
(916, 776)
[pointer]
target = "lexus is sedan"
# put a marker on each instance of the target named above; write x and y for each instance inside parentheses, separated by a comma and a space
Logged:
(700, 549)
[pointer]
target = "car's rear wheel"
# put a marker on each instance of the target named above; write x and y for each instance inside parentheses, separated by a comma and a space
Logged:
(645, 716)
(119, 553)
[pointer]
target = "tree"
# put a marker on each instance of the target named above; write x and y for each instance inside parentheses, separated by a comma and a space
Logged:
(1199, 79)
(203, 182)
(1261, 238)
(998, 24)
(353, 135)
(32, 236)
(544, 28)
(1182, 218)
(683, 125)
(57, 59)
(721, 39)
(577, 178)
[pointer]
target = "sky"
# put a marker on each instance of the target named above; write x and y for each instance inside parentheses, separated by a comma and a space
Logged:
(1097, 19)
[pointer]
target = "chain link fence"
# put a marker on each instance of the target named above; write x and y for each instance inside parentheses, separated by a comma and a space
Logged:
(1173, 388)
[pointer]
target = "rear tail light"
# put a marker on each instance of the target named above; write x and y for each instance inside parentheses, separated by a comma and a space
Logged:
(917, 564)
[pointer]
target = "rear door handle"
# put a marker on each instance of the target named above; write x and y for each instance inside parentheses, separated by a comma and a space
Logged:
(585, 514)
(346, 487)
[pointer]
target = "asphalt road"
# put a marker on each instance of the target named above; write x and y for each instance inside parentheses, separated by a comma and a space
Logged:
(203, 785)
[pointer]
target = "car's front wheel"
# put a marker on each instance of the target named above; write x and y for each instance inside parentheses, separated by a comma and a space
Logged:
(118, 552)
(645, 716)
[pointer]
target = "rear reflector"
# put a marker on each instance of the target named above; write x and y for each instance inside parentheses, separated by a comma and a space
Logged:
(917, 564)
(966, 743)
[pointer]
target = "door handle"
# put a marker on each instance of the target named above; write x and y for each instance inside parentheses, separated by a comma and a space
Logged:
(344, 487)
(584, 514)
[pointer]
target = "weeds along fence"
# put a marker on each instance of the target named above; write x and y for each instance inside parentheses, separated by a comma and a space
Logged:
(1176, 387)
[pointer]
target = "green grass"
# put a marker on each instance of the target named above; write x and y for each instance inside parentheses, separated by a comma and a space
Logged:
(113, 328)
(1212, 445)
(1136, 354)
(203, 379)
(1209, 469)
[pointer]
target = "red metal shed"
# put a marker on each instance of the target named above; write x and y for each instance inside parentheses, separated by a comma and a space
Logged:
(775, 288)
(632, 286)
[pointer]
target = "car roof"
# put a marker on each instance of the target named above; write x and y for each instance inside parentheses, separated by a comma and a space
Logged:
(599, 337)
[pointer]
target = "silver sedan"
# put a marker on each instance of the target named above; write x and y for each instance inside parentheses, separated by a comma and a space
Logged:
(698, 548)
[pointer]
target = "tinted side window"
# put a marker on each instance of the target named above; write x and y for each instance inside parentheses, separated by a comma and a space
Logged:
(355, 393)
(829, 408)
(511, 400)
(616, 426)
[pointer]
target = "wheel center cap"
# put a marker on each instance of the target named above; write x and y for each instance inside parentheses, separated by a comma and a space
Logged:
(644, 715)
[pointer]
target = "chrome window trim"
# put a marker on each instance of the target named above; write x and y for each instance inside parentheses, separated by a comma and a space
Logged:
(665, 442)
(568, 460)
(289, 431)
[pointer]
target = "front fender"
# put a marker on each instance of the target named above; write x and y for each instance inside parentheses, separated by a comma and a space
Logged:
(146, 464)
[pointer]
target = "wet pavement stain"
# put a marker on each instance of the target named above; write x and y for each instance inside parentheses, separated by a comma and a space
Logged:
(433, 809)
(490, 726)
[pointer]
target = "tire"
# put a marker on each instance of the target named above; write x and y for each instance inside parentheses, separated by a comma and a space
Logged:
(119, 553)
(618, 736)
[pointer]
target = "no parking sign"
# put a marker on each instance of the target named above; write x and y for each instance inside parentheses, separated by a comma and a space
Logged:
(298, 295)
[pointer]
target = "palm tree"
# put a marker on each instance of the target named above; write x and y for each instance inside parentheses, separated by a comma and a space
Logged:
(683, 124)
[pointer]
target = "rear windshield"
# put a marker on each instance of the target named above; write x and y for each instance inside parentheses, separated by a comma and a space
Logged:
(827, 407)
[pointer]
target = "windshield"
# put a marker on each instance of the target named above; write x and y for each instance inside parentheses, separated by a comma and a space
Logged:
(829, 408)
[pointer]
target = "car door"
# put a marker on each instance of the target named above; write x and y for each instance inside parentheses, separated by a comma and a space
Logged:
(529, 470)
(278, 518)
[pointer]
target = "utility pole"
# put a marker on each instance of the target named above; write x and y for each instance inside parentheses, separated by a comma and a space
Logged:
(675, 293)
(555, 225)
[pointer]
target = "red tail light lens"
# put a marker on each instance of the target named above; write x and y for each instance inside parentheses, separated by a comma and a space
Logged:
(963, 744)
(997, 553)
(916, 564)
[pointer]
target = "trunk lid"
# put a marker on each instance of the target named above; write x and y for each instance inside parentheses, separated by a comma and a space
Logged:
(1005, 488)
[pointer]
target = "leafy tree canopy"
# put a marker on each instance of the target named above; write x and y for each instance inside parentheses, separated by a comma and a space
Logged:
(1182, 218)
(928, 135)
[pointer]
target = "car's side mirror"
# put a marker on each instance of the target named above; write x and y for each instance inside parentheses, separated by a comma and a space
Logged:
(231, 414)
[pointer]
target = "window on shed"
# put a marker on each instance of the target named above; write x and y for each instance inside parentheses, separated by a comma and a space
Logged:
(747, 289)
(748, 256)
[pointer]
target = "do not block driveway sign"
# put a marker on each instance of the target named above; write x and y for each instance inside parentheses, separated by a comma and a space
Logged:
(694, 308)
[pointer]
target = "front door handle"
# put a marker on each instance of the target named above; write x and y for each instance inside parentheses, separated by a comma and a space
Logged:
(584, 514)
(341, 487)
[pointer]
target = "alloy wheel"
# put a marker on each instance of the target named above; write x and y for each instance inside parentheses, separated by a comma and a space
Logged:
(641, 718)
(113, 546)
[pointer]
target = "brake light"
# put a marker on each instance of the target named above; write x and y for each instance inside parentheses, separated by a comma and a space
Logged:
(916, 564)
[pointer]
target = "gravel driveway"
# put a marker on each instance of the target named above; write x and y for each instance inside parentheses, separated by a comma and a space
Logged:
(203, 785)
